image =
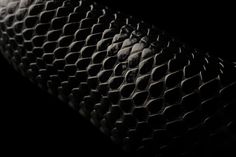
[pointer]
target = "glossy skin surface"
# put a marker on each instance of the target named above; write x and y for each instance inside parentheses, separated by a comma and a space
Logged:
(147, 91)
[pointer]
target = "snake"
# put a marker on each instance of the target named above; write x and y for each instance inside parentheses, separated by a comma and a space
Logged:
(149, 92)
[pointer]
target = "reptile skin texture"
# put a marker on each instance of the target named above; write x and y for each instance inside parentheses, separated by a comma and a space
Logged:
(150, 93)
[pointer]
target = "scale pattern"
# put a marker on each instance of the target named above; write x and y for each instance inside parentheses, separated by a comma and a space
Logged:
(145, 90)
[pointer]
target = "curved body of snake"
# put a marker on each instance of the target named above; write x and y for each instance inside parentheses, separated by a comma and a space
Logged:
(147, 91)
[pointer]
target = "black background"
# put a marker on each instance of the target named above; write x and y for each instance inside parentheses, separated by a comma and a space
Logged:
(34, 122)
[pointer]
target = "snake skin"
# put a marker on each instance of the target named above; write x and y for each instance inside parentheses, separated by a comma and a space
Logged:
(148, 92)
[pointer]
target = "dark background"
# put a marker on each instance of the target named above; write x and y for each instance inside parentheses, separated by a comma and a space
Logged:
(34, 122)
(204, 24)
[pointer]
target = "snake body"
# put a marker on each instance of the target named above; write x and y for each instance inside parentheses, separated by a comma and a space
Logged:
(147, 91)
